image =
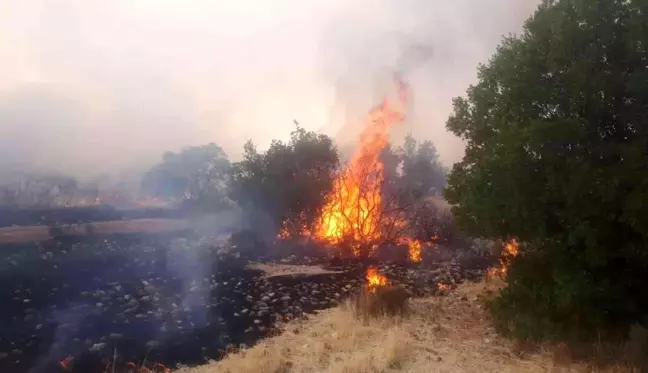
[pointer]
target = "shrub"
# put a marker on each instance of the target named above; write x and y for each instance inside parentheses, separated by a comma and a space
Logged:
(556, 143)
(383, 301)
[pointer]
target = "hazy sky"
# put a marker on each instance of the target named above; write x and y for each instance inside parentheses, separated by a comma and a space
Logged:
(88, 86)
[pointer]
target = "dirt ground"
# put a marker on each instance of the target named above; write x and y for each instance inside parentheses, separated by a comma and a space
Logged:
(20, 234)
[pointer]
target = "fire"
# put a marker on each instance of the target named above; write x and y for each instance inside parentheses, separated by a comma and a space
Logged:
(157, 368)
(375, 279)
(443, 287)
(65, 363)
(510, 251)
(354, 210)
(415, 247)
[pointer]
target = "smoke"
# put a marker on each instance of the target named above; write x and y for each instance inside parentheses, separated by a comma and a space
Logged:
(90, 87)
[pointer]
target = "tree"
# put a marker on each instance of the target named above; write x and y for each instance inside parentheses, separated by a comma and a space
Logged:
(413, 171)
(39, 190)
(288, 182)
(197, 175)
(423, 174)
(557, 138)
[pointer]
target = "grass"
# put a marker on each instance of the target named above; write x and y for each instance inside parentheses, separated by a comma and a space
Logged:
(443, 334)
(432, 335)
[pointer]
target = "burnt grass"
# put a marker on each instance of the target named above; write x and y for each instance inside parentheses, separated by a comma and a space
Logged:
(173, 299)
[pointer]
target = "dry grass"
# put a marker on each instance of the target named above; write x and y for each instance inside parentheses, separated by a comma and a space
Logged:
(41, 232)
(445, 334)
(436, 335)
(273, 270)
(382, 301)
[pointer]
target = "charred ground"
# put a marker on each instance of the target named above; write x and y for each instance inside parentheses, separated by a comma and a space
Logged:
(176, 298)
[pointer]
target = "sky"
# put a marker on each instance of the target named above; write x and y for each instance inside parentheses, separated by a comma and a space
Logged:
(106, 86)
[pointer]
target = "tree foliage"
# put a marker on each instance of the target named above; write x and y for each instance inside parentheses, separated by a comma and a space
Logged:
(557, 142)
(39, 190)
(413, 171)
(288, 182)
(197, 175)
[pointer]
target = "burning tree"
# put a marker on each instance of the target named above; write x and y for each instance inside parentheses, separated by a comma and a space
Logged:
(356, 213)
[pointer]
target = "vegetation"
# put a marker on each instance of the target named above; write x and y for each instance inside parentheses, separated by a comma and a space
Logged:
(413, 171)
(556, 133)
(288, 182)
(197, 175)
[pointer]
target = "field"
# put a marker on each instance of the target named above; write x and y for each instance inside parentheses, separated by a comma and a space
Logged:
(170, 297)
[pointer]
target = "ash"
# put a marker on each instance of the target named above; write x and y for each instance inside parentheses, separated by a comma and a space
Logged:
(173, 299)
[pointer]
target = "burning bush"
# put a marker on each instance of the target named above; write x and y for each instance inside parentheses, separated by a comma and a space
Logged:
(384, 301)
(379, 297)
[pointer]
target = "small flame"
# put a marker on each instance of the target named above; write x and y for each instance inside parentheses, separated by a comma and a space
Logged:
(65, 363)
(415, 251)
(510, 251)
(444, 287)
(415, 247)
(375, 279)
(157, 368)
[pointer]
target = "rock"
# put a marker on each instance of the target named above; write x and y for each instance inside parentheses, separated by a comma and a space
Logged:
(16, 351)
(257, 321)
(3, 355)
(152, 344)
(116, 335)
(265, 299)
(244, 311)
(285, 298)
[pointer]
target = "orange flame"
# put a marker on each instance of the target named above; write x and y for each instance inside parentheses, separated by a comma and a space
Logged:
(375, 279)
(511, 250)
(415, 247)
(443, 287)
(157, 368)
(353, 212)
(65, 363)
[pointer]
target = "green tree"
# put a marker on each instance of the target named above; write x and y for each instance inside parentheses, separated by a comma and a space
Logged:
(423, 174)
(413, 171)
(557, 156)
(288, 182)
(197, 175)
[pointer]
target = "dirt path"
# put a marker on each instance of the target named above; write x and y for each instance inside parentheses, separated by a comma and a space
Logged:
(20, 234)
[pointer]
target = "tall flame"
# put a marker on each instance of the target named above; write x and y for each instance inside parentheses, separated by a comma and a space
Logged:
(353, 212)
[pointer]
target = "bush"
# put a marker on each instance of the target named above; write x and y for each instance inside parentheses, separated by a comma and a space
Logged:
(384, 301)
(556, 143)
